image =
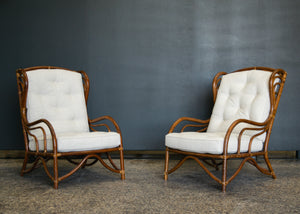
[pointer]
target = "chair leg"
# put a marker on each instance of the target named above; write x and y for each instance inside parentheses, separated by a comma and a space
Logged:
(166, 164)
(224, 175)
(84, 164)
(269, 166)
(122, 164)
(24, 163)
(55, 169)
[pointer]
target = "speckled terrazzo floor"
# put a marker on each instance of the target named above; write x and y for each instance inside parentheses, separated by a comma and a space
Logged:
(188, 190)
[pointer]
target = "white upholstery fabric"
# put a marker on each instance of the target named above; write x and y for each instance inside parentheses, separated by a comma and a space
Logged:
(241, 95)
(82, 141)
(209, 142)
(58, 96)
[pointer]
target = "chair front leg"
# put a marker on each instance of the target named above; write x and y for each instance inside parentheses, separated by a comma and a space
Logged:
(224, 175)
(55, 171)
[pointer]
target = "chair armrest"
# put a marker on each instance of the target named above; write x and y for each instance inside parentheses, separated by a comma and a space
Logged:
(199, 123)
(94, 123)
(33, 126)
(262, 127)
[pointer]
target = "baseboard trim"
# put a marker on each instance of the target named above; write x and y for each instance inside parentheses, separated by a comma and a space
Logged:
(147, 154)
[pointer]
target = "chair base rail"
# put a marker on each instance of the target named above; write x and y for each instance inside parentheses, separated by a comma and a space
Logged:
(38, 159)
(225, 179)
(152, 154)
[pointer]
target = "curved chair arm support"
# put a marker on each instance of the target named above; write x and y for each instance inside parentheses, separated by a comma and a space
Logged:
(260, 126)
(93, 121)
(203, 123)
(32, 126)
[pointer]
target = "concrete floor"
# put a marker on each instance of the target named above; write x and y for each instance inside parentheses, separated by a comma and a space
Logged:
(188, 190)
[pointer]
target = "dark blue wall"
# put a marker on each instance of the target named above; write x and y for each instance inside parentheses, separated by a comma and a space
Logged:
(151, 61)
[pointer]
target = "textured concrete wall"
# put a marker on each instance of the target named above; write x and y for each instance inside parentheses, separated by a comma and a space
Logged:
(151, 61)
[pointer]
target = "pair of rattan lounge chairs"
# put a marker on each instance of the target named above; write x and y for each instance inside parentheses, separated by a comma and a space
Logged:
(55, 123)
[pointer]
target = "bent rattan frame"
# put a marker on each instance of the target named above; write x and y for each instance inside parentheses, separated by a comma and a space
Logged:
(276, 84)
(42, 157)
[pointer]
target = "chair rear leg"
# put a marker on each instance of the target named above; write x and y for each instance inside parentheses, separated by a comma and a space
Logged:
(269, 166)
(166, 164)
(122, 164)
(24, 163)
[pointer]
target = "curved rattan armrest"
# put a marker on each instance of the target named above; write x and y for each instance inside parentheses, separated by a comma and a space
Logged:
(261, 126)
(42, 121)
(92, 123)
(203, 123)
(33, 125)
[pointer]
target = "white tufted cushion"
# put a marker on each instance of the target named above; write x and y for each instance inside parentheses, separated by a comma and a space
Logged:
(241, 95)
(58, 96)
(82, 141)
(209, 142)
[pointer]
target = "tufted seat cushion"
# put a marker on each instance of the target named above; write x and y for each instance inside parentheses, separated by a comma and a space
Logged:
(58, 96)
(209, 142)
(241, 95)
(82, 141)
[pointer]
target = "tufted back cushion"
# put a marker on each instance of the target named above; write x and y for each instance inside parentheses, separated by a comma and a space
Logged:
(58, 96)
(241, 95)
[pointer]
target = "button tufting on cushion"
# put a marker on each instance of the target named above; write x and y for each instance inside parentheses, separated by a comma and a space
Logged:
(249, 99)
(58, 96)
(241, 95)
